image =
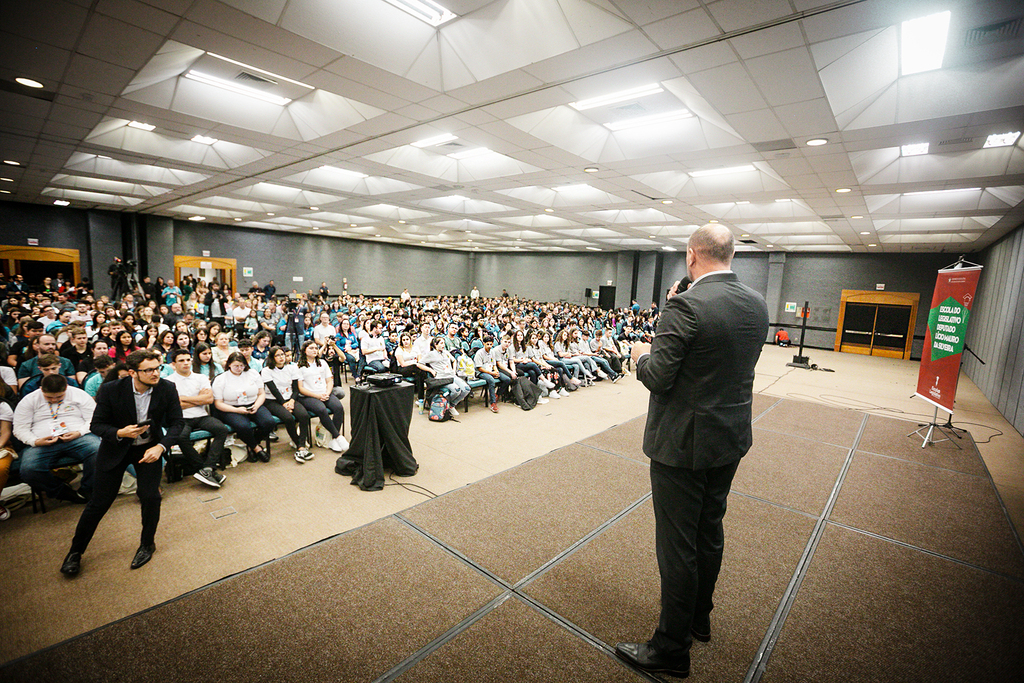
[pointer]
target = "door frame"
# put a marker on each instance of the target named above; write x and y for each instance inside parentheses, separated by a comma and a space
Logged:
(227, 264)
(12, 254)
(876, 298)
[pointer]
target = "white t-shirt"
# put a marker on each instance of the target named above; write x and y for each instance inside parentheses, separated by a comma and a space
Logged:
(322, 333)
(6, 414)
(315, 378)
(373, 348)
(237, 390)
(282, 378)
(8, 376)
(190, 387)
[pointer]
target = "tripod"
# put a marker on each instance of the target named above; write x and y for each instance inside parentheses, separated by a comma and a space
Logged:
(948, 429)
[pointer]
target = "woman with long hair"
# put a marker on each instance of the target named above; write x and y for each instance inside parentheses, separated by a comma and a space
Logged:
(223, 348)
(440, 364)
(123, 345)
(164, 343)
(564, 354)
(316, 386)
(278, 378)
(203, 363)
(407, 363)
(238, 396)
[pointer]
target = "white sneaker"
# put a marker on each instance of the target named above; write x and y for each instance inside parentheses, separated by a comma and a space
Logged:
(338, 445)
(553, 394)
(575, 381)
(601, 374)
(451, 409)
(541, 401)
(563, 393)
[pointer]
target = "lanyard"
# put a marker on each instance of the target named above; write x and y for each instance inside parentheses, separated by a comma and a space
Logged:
(54, 411)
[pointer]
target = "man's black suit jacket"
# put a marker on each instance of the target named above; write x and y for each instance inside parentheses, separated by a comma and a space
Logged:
(701, 374)
(115, 408)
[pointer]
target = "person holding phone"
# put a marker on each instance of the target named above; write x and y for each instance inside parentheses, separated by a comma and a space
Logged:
(238, 397)
(138, 419)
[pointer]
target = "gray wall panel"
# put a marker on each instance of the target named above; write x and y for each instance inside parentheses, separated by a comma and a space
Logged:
(552, 277)
(159, 245)
(996, 331)
(104, 244)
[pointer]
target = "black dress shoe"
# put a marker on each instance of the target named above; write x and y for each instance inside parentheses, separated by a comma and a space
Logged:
(643, 656)
(72, 564)
(70, 495)
(143, 555)
(700, 629)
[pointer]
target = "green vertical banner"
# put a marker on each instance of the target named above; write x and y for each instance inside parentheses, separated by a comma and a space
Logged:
(944, 339)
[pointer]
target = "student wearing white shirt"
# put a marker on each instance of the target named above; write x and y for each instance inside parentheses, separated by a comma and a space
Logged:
(374, 350)
(54, 423)
(315, 394)
(238, 396)
(7, 453)
(278, 377)
(196, 395)
(487, 370)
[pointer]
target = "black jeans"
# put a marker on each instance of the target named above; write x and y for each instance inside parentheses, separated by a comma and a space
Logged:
(243, 425)
(331, 412)
(104, 492)
(296, 421)
(193, 461)
(689, 506)
(417, 377)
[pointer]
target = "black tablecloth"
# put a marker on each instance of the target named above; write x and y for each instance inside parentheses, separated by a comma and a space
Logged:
(380, 435)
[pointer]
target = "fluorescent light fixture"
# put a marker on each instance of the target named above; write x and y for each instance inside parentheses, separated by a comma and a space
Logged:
(61, 202)
(856, 217)
(742, 201)
(957, 189)
(352, 225)
(28, 82)
(666, 201)
(595, 169)
(355, 174)
(914, 149)
(817, 142)
(594, 248)
(842, 190)
(923, 43)
(270, 214)
(570, 188)
(425, 10)
(713, 220)
(865, 233)
(197, 218)
(620, 96)
(1001, 139)
(236, 88)
(7, 180)
(314, 208)
(746, 234)
(872, 245)
(262, 71)
(783, 200)
(238, 219)
(100, 156)
(12, 163)
(722, 171)
(669, 248)
(550, 210)
(5, 192)
(436, 140)
(315, 228)
(649, 120)
(402, 222)
(469, 153)
(769, 245)
(204, 140)
(379, 236)
(141, 126)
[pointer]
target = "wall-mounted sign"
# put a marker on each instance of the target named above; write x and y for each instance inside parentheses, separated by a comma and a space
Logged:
(33, 242)
(206, 265)
(610, 283)
(880, 287)
(246, 272)
(790, 307)
(205, 252)
(296, 278)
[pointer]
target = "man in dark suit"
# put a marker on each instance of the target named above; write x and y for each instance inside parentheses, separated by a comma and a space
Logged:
(700, 371)
(138, 419)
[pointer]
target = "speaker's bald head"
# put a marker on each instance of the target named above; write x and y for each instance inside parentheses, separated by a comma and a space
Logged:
(713, 243)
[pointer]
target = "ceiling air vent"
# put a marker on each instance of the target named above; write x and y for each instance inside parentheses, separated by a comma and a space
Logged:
(773, 145)
(993, 33)
(748, 241)
(831, 218)
(253, 79)
(958, 141)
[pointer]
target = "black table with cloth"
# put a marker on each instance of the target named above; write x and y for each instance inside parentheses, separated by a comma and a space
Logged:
(380, 435)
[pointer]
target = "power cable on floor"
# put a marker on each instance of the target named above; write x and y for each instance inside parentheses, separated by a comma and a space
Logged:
(411, 487)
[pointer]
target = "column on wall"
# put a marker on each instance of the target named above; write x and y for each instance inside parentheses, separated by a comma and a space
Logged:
(773, 295)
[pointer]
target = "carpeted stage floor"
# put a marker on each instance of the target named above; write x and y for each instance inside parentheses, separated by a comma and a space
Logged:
(852, 555)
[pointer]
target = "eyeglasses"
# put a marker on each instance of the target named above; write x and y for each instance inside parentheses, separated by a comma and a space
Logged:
(149, 371)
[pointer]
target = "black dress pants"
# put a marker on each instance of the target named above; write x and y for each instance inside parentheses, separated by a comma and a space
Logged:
(689, 506)
(107, 483)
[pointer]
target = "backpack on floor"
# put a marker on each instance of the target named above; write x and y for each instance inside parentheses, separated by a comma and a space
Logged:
(439, 409)
(525, 393)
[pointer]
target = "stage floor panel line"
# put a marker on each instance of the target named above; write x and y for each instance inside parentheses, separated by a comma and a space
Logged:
(873, 611)
(514, 522)
(886, 436)
(626, 439)
(947, 512)
(813, 421)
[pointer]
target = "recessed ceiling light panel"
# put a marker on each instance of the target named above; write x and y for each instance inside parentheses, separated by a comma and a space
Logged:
(470, 153)
(615, 97)
(722, 171)
(425, 10)
(1002, 139)
(236, 88)
(436, 140)
(914, 149)
(817, 142)
(61, 202)
(649, 120)
(335, 169)
(141, 126)
(923, 43)
(204, 140)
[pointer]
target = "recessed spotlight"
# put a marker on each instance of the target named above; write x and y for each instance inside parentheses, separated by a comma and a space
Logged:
(866, 233)
(28, 82)
(5, 192)
(12, 163)
(436, 140)
(7, 180)
(270, 214)
(1001, 139)
(722, 171)
(594, 248)
(842, 190)
(595, 169)
(872, 245)
(669, 248)
(713, 220)
(238, 219)
(856, 217)
(817, 142)
(550, 210)
(620, 96)
(197, 218)
(61, 202)
(141, 126)
(666, 201)
(314, 208)
(914, 149)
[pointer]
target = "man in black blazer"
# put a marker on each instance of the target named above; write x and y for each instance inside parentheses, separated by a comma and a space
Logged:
(138, 419)
(700, 371)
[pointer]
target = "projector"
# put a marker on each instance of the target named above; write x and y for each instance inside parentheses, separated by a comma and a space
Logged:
(385, 379)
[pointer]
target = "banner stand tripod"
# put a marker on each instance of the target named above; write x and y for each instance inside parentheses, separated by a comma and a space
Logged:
(800, 360)
(932, 426)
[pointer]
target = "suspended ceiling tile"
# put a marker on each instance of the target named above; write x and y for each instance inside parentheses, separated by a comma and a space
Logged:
(138, 14)
(729, 89)
(35, 21)
(736, 14)
(758, 126)
(704, 57)
(682, 29)
(769, 40)
(807, 119)
(117, 42)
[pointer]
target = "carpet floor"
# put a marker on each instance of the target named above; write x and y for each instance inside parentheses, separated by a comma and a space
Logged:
(850, 555)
